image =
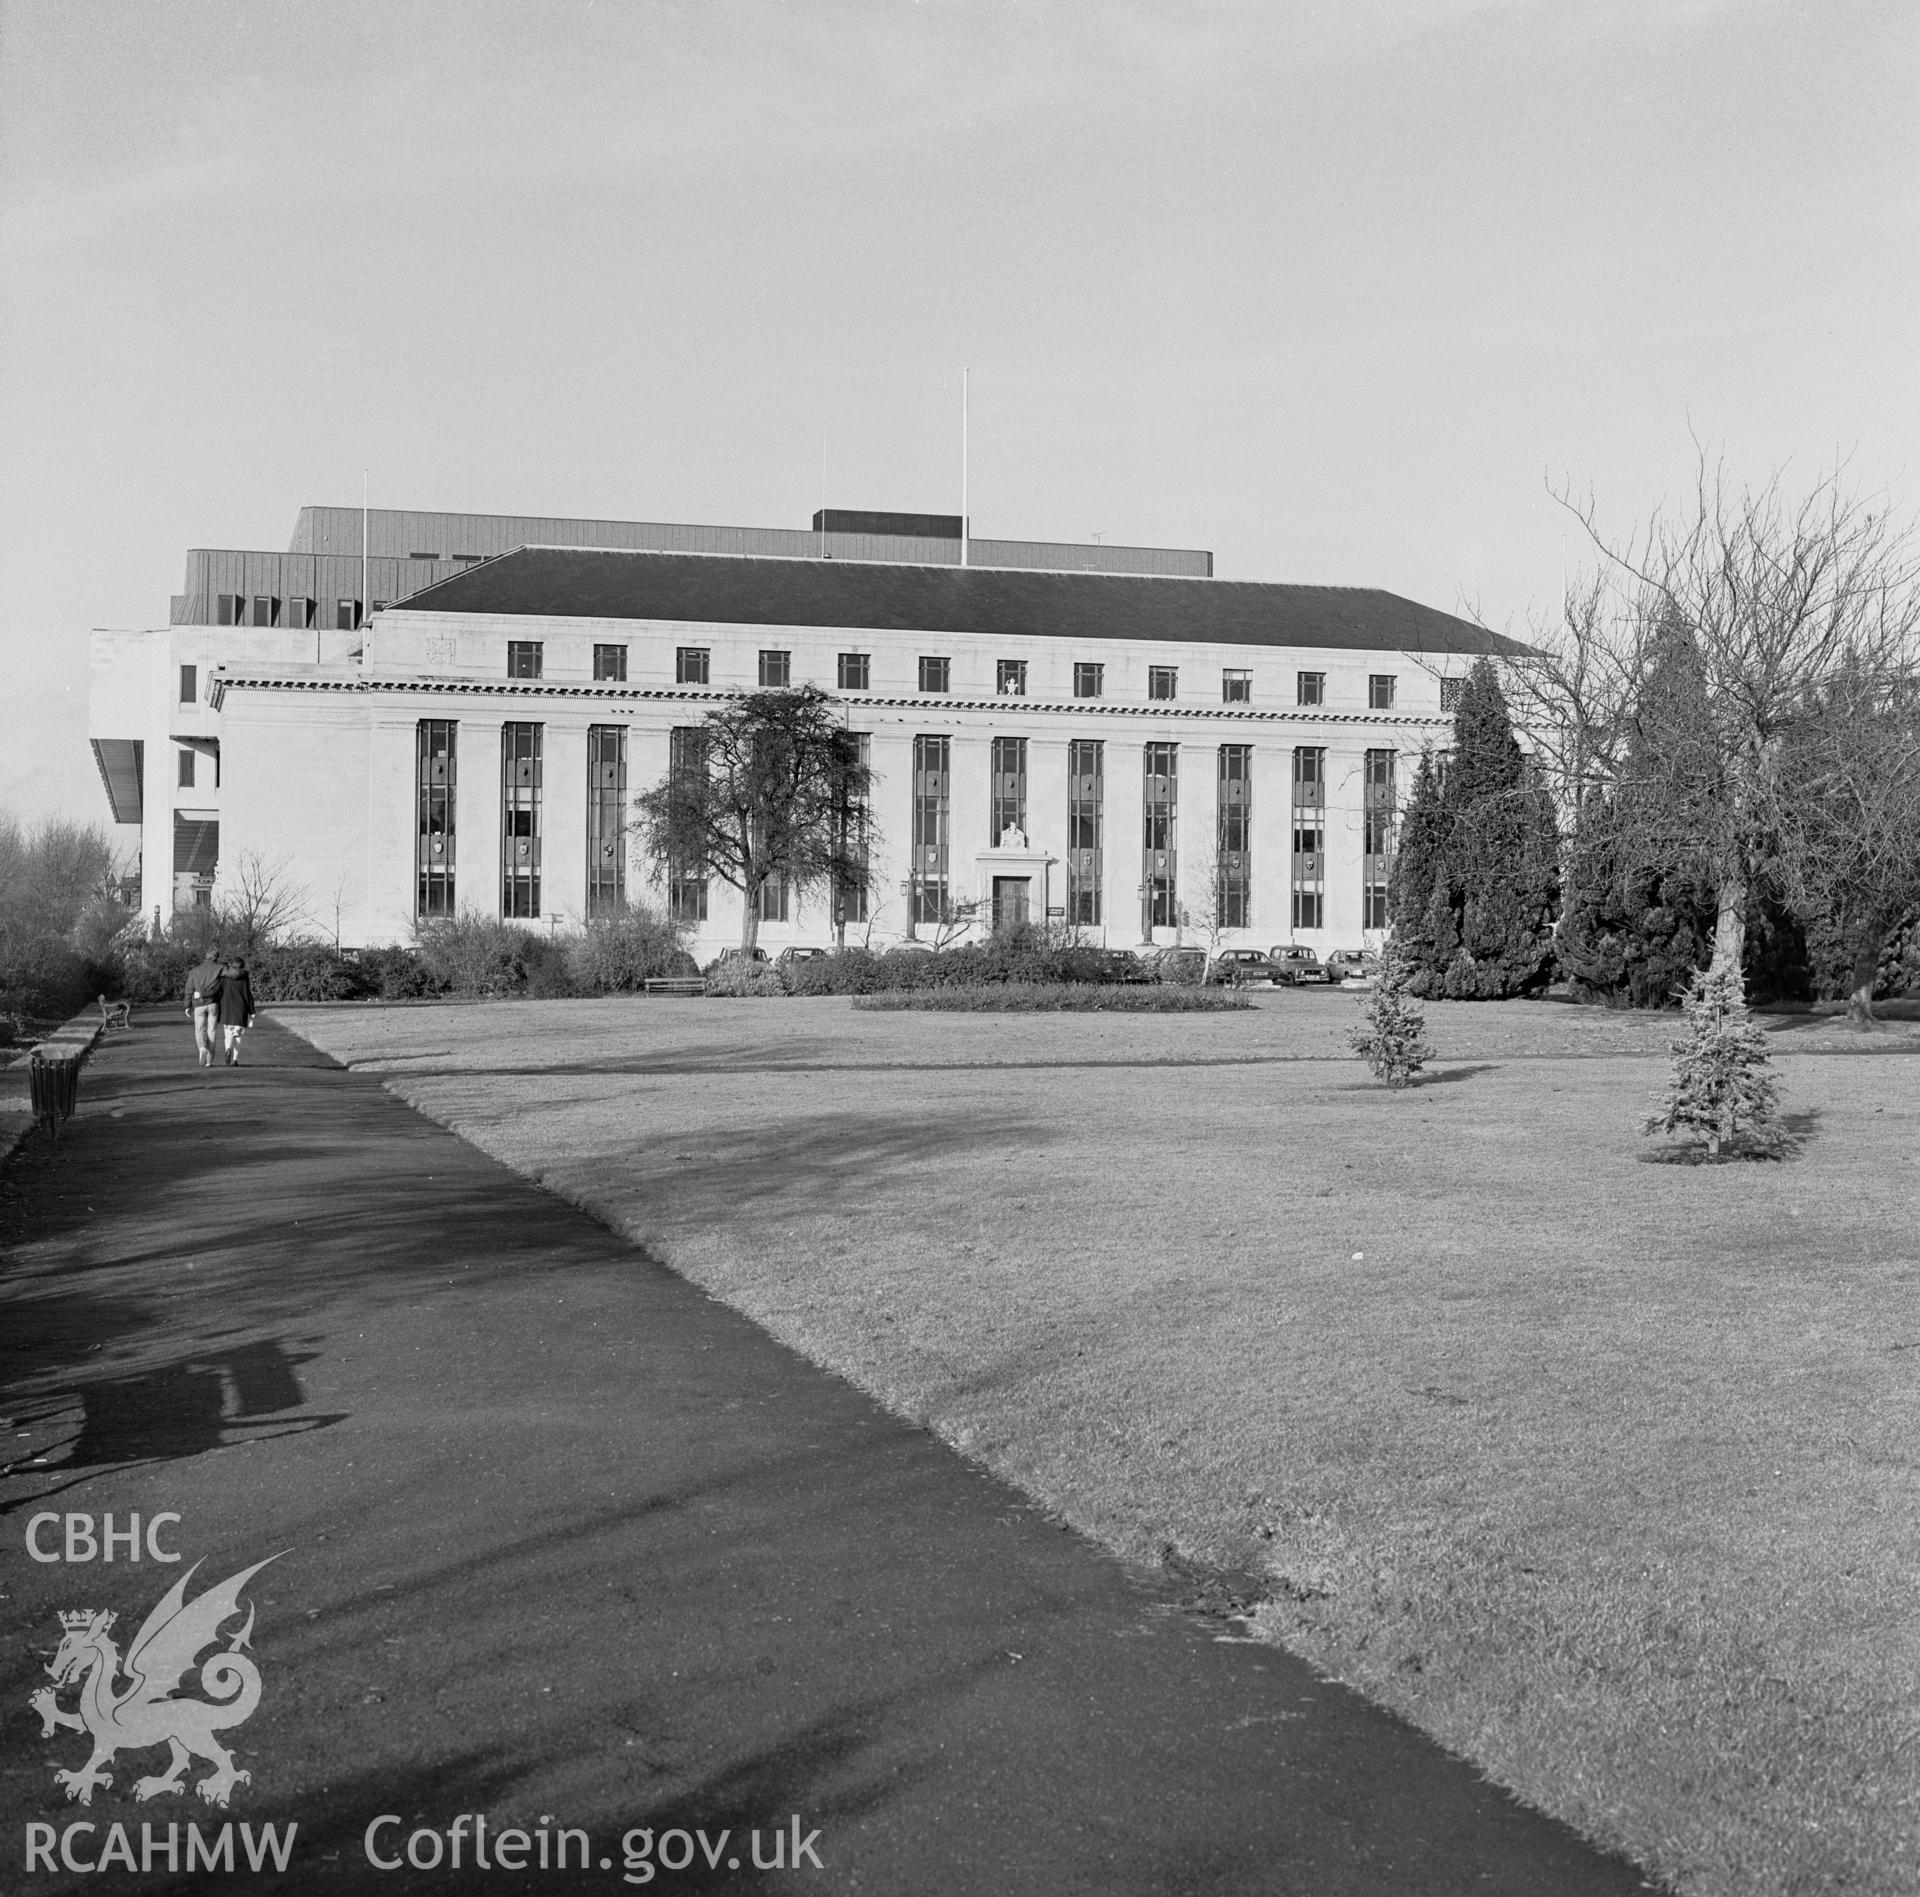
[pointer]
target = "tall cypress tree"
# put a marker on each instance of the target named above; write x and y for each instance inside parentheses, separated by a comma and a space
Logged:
(1416, 865)
(1486, 929)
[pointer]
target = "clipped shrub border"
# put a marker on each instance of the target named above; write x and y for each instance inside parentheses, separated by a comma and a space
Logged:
(1053, 997)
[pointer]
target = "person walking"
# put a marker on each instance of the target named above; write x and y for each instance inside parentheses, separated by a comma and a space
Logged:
(236, 1006)
(203, 1005)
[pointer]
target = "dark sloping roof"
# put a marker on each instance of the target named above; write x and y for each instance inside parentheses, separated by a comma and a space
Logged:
(579, 583)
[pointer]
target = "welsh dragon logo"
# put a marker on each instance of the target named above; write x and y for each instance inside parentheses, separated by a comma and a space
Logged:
(143, 1712)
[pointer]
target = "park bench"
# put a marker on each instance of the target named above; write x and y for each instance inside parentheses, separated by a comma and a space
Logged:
(115, 1014)
(676, 985)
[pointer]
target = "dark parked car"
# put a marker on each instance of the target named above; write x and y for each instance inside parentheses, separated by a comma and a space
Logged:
(728, 956)
(1352, 965)
(1234, 967)
(1120, 965)
(1294, 963)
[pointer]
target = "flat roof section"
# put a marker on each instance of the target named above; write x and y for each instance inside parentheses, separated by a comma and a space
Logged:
(576, 583)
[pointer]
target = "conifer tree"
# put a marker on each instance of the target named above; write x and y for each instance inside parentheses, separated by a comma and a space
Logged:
(1416, 865)
(1721, 1089)
(1485, 929)
(1392, 1039)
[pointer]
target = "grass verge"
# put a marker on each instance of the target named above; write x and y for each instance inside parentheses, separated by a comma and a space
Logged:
(1602, 1471)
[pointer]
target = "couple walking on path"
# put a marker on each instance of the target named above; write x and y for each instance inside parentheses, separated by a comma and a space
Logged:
(219, 997)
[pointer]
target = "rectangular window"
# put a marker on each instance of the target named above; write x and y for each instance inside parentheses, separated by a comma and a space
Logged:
(229, 609)
(1009, 801)
(189, 684)
(610, 663)
(934, 674)
(932, 780)
(526, 658)
(776, 671)
(299, 613)
(850, 899)
(691, 665)
(1089, 679)
(1233, 866)
(1380, 691)
(1310, 688)
(1450, 693)
(1376, 871)
(687, 880)
(262, 609)
(1160, 868)
(186, 770)
(855, 669)
(1309, 872)
(1163, 681)
(346, 615)
(1086, 824)
(1010, 678)
(520, 784)
(1236, 688)
(423, 556)
(774, 901)
(433, 859)
(606, 817)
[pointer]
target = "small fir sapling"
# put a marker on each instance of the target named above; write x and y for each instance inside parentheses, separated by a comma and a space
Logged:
(1392, 1039)
(1721, 1089)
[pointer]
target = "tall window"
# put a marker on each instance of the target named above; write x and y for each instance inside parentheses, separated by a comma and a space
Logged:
(691, 665)
(1233, 871)
(520, 783)
(1236, 688)
(850, 900)
(1086, 821)
(936, 675)
(1377, 795)
(433, 859)
(1163, 681)
(1309, 837)
(262, 609)
(1310, 688)
(687, 881)
(932, 778)
(298, 613)
(1160, 870)
(1089, 679)
(606, 816)
(856, 668)
(1380, 687)
(1010, 678)
(776, 671)
(610, 662)
(186, 770)
(189, 684)
(1009, 811)
(1450, 693)
(346, 615)
(525, 658)
(775, 898)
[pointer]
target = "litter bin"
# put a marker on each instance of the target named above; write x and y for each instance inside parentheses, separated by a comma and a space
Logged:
(55, 1084)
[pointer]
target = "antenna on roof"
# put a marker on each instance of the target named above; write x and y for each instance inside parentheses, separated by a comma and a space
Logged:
(963, 467)
(366, 597)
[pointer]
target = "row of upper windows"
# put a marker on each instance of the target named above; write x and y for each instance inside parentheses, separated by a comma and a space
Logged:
(299, 613)
(693, 665)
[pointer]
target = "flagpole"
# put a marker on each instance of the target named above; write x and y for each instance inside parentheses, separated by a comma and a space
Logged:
(963, 467)
(366, 595)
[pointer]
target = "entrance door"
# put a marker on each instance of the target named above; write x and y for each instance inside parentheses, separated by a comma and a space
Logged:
(1010, 902)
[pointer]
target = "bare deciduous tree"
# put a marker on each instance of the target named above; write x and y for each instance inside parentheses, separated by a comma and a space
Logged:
(1771, 598)
(258, 904)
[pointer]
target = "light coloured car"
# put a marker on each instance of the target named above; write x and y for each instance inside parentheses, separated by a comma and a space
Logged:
(1359, 966)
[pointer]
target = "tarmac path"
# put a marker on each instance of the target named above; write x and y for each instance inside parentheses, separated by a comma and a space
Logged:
(572, 1547)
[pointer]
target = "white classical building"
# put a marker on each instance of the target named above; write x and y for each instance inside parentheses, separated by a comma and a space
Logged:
(1102, 736)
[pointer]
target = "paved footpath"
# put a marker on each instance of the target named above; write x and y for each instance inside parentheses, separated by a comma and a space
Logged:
(569, 1546)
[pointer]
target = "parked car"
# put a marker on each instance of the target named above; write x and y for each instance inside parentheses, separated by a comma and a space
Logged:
(1360, 965)
(792, 957)
(1117, 965)
(729, 956)
(1294, 963)
(1185, 965)
(1234, 967)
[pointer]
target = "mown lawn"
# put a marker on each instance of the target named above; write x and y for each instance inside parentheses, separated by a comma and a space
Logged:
(1601, 1469)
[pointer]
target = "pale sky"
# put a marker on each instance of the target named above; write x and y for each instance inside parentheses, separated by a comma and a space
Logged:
(1333, 289)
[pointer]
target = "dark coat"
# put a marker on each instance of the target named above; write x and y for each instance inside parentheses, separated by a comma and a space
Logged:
(203, 984)
(236, 1000)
